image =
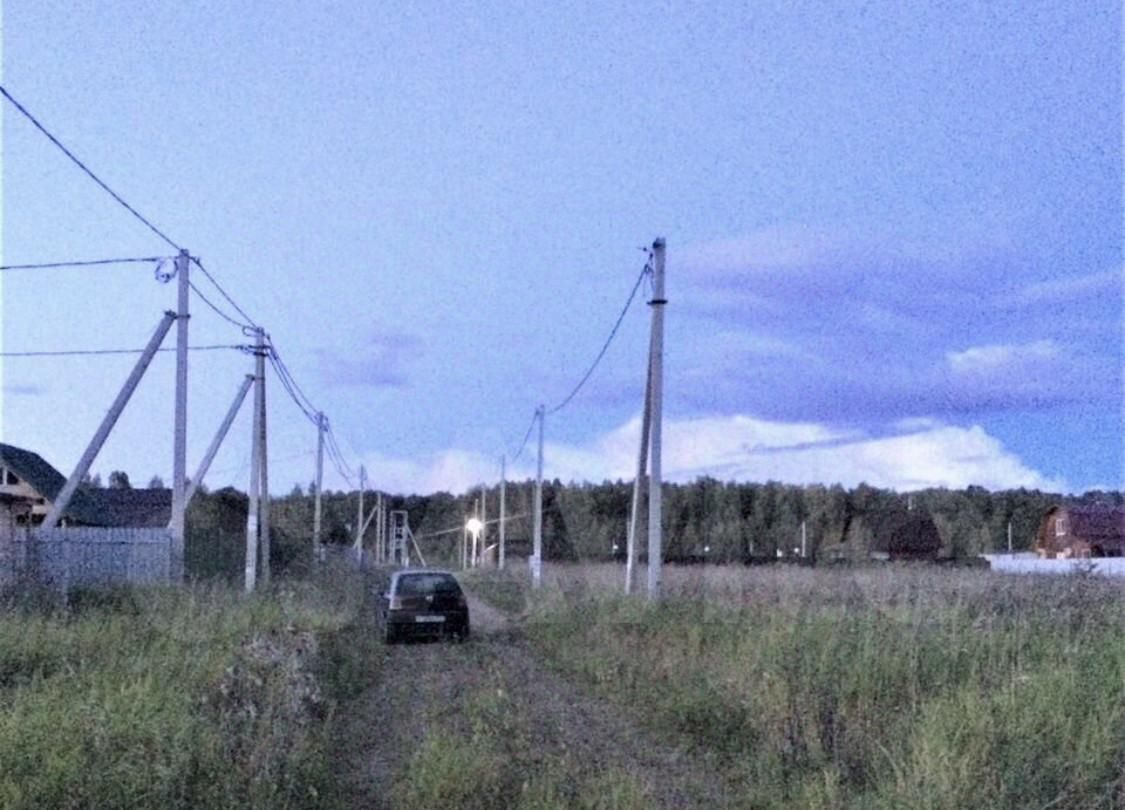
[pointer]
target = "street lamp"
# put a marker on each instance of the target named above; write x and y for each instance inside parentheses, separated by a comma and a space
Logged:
(473, 527)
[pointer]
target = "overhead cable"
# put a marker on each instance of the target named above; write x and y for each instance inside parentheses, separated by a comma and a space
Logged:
(88, 263)
(526, 436)
(211, 305)
(613, 332)
(85, 352)
(86, 169)
(195, 260)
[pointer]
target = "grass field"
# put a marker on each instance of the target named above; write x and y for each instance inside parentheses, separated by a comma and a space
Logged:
(894, 687)
(174, 698)
(898, 687)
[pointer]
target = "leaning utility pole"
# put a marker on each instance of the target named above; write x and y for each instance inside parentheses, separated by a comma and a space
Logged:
(537, 542)
(655, 502)
(503, 485)
(58, 508)
(638, 483)
(179, 449)
(318, 552)
(217, 442)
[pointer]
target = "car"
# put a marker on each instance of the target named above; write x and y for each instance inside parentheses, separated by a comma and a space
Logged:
(424, 603)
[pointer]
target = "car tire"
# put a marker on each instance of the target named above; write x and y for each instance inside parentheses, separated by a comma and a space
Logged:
(390, 635)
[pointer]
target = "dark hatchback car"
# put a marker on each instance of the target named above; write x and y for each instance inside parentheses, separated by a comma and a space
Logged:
(424, 603)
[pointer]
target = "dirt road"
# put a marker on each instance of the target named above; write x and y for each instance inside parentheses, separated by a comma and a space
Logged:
(441, 688)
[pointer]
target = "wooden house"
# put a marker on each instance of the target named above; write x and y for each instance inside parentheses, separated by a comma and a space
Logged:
(1081, 531)
(27, 476)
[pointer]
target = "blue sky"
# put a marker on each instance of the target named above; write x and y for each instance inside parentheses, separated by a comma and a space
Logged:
(894, 233)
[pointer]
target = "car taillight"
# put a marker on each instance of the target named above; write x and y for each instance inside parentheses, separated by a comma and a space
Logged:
(396, 603)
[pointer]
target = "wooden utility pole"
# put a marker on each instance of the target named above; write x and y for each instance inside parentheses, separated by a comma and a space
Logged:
(655, 500)
(179, 448)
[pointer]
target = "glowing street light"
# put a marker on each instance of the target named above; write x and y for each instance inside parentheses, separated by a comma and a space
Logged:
(473, 527)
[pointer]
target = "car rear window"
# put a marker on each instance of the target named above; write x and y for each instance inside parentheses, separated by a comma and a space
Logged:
(421, 584)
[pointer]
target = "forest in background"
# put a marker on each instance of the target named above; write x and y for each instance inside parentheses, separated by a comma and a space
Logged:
(706, 520)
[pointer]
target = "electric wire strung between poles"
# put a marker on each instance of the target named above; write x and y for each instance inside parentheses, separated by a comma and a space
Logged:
(87, 263)
(605, 347)
(121, 201)
(23, 110)
(88, 352)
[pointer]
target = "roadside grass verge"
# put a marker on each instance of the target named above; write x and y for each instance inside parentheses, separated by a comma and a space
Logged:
(172, 697)
(884, 688)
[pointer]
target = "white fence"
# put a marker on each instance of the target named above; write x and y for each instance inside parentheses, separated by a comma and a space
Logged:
(81, 556)
(1031, 564)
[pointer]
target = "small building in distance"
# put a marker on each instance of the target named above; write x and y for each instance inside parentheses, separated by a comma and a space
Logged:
(903, 535)
(1081, 531)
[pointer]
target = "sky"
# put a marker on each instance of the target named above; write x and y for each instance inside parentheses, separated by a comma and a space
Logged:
(894, 235)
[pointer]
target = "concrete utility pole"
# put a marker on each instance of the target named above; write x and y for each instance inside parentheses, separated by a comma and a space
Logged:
(179, 449)
(252, 514)
(503, 486)
(537, 536)
(638, 482)
(804, 541)
(111, 417)
(318, 552)
(483, 523)
(380, 530)
(217, 442)
(263, 471)
(655, 502)
(359, 522)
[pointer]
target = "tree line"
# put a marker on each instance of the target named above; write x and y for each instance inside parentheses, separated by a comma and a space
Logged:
(706, 519)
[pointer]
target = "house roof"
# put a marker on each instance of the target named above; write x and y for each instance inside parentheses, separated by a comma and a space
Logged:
(133, 508)
(138, 508)
(33, 469)
(904, 532)
(1093, 523)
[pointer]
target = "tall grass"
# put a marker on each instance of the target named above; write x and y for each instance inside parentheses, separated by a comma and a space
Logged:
(170, 698)
(900, 687)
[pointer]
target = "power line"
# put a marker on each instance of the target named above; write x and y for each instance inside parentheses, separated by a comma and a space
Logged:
(613, 332)
(89, 263)
(223, 292)
(527, 436)
(216, 309)
(86, 352)
(88, 172)
(130, 209)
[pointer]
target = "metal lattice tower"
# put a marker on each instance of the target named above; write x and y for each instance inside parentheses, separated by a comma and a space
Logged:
(400, 539)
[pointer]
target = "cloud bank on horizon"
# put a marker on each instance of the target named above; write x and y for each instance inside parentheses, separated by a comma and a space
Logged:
(914, 454)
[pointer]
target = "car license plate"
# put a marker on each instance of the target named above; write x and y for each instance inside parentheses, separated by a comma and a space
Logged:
(429, 618)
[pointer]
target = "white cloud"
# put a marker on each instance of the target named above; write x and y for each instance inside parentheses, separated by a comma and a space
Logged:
(997, 357)
(1066, 289)
(921, 453)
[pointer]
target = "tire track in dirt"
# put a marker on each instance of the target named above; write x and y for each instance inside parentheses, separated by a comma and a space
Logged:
(424, 684)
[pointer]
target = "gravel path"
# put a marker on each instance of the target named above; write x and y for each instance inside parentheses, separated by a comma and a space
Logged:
(423, 684)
